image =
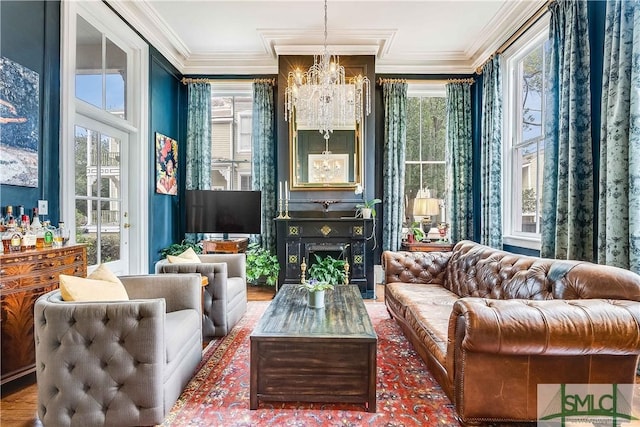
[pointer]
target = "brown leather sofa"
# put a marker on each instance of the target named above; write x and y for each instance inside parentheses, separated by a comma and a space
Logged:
(492, 325)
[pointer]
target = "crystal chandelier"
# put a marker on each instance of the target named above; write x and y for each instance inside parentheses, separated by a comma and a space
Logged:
(321, 97)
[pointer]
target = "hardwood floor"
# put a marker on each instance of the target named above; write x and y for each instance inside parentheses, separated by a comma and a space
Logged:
(19, 398)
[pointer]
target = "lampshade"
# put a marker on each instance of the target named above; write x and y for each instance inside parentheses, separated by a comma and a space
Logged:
(426, 207)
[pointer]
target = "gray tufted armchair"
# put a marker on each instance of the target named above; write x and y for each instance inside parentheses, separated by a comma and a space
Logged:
(225, 297)
(118, 363)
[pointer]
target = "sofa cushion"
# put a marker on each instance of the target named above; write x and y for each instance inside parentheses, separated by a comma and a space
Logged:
(188, 256)
(179, 328)
(427, 308)
(100, 285)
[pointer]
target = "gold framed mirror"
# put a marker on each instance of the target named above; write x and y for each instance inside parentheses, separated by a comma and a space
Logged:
(319, 164)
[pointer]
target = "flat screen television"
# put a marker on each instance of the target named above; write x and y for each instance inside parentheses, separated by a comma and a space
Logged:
(213, 211)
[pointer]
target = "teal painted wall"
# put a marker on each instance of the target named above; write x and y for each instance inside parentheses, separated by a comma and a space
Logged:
(30, 36)
(167, 112)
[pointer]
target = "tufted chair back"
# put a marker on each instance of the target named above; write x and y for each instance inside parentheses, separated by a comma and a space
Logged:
(117, 363)
(224, 299)
(475, 270)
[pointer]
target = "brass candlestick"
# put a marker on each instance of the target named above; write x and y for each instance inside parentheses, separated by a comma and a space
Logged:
(286, 209)
(346, 272)
(303, 269)
(280, 216)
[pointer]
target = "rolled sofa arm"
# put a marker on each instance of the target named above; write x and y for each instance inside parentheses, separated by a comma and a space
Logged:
(180, 291)
(546, 327)
(415, 267)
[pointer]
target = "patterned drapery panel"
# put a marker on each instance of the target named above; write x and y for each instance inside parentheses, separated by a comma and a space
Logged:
(198, 141)
(491, 163)
(567, 201)
(264, 164)
(458, 159)
(619, 202)
(395, 138)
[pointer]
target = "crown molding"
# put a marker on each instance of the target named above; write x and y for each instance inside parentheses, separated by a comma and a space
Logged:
(144, 18)
(510, 17)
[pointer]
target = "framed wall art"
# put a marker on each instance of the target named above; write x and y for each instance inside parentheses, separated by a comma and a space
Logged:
(166, 165)
(19, 124)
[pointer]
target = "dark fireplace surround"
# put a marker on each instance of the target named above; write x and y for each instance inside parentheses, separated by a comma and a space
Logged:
(344, 237)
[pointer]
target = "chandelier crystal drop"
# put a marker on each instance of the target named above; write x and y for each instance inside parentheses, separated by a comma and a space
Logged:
(322, 98)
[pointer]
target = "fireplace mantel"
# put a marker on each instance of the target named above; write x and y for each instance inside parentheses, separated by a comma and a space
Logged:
(299, 238)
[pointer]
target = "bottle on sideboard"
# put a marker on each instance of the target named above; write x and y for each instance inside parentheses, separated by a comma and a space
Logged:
(36, 227)
(8, 217)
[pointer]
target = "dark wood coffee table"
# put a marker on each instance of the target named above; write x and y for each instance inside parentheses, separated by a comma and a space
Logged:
(302, 354)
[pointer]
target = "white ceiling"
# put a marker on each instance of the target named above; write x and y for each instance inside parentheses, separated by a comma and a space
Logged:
(246, 36)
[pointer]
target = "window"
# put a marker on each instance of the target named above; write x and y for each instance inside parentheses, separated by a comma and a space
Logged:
(425, 151)
(231, 116)
(525, 65)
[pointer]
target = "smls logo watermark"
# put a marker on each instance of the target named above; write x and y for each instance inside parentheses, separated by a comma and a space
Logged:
(561, 405)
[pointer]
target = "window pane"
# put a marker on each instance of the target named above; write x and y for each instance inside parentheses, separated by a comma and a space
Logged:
(115, 79)
(86, 229)
(231, 142)
(109, 166)
(527, 168)
(433, 177)
(531, 95)
(88, 63)
(87, 161)
(433, 129)
(413, 129)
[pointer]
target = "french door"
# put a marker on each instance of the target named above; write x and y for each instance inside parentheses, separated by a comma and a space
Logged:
(101, 199)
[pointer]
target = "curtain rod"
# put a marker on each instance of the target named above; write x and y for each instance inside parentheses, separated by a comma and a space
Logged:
(381, 81)
(187, 80)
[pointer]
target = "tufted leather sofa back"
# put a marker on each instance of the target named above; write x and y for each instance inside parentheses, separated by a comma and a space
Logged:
(475, 270)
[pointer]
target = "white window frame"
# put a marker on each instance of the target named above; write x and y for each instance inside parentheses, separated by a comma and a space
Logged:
(519, 49)
(105, 20)
(240, 116)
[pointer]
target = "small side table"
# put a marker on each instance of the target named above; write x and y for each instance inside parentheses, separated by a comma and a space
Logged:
(234, 246)
(426, 247)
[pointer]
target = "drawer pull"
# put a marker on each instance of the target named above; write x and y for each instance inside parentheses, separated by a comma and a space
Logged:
(52, 277)
(52, 264)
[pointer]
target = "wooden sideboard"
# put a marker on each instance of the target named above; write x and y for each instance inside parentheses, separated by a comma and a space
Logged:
(426, 247)
(24, 276)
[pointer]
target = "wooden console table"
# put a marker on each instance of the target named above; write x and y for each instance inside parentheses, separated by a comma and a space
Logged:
(234, 246)
(426, 247)
(24, 276)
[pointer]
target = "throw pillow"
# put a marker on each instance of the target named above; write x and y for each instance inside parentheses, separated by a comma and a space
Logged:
(188, 256)
(100, 285)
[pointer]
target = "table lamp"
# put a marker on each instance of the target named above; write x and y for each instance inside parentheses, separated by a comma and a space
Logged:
(427, 208)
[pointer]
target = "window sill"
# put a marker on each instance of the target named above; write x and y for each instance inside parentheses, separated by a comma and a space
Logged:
(522, 242)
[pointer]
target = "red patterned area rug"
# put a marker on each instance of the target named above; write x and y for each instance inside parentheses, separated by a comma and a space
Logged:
(218, 395)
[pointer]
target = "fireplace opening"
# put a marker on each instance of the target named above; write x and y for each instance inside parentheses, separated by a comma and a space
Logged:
(322, 250)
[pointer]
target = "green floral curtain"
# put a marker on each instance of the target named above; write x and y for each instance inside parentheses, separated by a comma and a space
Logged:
(395, 138)
(619, 202)
(198, 175)
(458, 159)
(567, 201)
(491, 162)
(264, 163)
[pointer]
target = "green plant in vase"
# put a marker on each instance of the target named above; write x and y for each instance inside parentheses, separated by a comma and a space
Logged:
(327, 270)
(261, 264)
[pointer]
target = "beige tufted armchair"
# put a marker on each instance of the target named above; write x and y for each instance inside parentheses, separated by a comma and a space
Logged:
(118, 363)
(225, 297)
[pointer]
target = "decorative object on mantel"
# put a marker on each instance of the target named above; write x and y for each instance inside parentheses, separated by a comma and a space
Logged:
(321, 97)
(366, 208)
(283, 195)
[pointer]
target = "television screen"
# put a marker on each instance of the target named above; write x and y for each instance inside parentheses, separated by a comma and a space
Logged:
(211, 211)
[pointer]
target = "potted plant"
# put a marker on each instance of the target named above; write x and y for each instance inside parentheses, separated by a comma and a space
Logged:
(327, 270)
(261, 265)
(315, 290)
(367, 208)
(178, 248)
(416, 231)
